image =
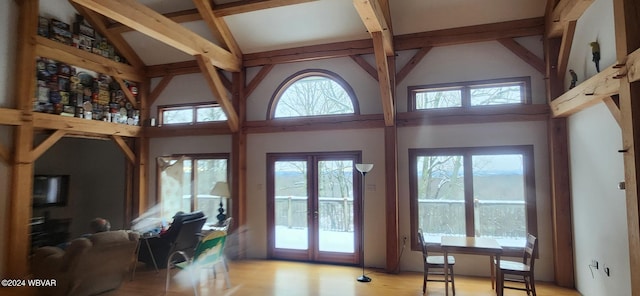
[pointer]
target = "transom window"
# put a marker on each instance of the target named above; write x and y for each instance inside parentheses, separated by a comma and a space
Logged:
(190, 113)
(313, 93)
(477, 192)
(471, 94)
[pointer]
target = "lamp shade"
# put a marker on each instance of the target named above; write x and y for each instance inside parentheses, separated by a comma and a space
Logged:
(364, 167)
(220, 189)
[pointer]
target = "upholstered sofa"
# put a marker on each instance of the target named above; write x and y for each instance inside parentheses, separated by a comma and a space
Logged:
(88, 266)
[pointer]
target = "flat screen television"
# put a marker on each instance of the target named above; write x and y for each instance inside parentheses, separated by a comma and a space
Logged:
(50, 190)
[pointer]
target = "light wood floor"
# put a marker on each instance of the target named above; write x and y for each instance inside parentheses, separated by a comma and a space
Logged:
(283, 278)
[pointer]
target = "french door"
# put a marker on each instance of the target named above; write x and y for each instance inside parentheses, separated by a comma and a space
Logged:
(313, 207)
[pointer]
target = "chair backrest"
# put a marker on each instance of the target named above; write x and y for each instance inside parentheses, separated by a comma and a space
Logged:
(528, 257)
(188, 238)
(211, 249)
(422, 245)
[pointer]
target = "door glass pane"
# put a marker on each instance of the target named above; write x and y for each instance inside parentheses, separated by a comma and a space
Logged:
(499, 200)
(185, 204)
(335, 206)
(291, 230)
(208, 173)
(440, 196)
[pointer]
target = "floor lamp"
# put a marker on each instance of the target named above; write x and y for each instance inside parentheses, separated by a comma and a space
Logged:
(363, 168)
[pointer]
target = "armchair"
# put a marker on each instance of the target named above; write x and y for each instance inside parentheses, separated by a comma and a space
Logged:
(169, 241)
(88, 266)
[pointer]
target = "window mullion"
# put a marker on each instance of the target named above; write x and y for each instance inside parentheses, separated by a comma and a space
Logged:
(466, 96)
(468, 194)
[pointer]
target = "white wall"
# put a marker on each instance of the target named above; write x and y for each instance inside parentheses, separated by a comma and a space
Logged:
(8, 32)
(599, 210)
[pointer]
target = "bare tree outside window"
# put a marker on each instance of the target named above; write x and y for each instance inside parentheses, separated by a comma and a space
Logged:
(314, 95)
(506, 91)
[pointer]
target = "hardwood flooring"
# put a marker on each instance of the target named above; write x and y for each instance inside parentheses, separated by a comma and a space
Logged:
(283, 278)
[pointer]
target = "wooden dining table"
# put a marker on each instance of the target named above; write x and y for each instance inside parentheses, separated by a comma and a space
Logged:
(474, 246)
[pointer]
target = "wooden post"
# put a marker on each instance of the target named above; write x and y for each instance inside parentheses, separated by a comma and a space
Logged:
(239, 161)
(628, 40)
(16, 264)
(391, 180)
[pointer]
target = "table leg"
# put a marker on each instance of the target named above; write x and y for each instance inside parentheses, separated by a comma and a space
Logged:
(493, 272)
(446, 272)
(135, 260)
(499, 280)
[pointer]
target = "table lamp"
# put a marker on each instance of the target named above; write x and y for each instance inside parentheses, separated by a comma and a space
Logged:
(221, 189)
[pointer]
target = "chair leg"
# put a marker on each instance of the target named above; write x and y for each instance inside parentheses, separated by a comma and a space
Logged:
(453, 281)
(527, 286)
(226, 273)
(193, 281)
(533, 284)
(424, 282)
(499, 282)
(166, 285)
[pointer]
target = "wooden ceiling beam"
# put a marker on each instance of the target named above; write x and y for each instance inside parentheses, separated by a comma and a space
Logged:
(511, 29)
(147, 21)
(125, 148)
(46, 144)
(564, 12)
(178, 68)
(76, 125)
(471, 34)
(565, 48)
(365, 66)
(524, 54)
(10, 116)
(221, 10)
(587, 93)
(412, 63)
(384, 81)
(50, 49)
(183, 16)
(252, 5)
(257, 79)
(5, 154)
(99, 23)
(219, 91)
(218, 26)
(374, 20)
(155, 94)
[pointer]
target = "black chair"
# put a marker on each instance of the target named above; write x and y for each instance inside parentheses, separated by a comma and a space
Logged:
(522, 270)
(435, 262)
(182, 234)
(188, 237)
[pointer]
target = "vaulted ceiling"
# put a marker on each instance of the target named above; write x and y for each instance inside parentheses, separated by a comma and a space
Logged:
(267, 25)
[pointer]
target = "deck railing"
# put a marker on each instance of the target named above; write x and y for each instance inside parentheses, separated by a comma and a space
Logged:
(494, 218)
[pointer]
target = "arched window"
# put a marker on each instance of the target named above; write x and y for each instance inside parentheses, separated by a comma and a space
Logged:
(313, 93)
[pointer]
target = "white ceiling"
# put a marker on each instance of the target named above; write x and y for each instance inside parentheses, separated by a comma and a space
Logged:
(328, 21)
